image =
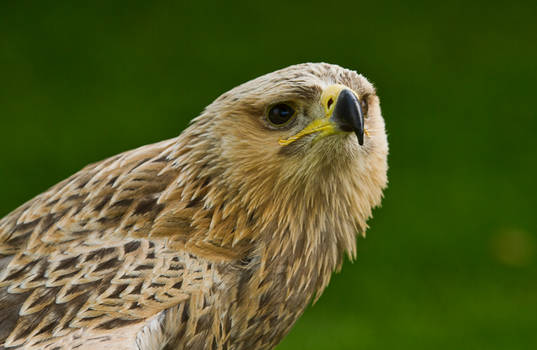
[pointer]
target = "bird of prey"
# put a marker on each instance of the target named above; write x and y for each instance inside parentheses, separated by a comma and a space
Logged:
(216, 239)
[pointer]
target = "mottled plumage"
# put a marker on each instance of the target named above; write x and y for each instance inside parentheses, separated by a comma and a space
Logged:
(217, 239)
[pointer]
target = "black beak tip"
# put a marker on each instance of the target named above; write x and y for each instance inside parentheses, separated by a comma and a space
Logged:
(360, 136)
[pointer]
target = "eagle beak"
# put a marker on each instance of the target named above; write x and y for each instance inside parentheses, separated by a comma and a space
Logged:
(343, 114)
(348, 114)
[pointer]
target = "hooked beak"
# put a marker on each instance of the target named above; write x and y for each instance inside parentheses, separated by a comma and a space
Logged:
(348, 114)
(343, 114)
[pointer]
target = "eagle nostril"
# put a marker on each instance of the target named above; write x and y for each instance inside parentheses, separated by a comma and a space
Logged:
(330, 102)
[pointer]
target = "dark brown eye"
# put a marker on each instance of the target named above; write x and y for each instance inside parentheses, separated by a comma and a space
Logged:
(280, 114)
(364, 105)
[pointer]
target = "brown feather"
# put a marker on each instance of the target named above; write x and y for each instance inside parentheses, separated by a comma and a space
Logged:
(215, 239)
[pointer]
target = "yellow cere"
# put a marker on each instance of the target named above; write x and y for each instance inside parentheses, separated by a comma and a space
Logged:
(329, 97)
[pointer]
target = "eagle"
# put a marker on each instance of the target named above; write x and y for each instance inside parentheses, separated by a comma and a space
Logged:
(216, 239)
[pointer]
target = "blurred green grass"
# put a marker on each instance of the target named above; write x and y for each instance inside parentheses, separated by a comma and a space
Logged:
(450, 259)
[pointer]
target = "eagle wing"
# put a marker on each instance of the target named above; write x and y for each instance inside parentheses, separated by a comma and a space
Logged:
(100, 254)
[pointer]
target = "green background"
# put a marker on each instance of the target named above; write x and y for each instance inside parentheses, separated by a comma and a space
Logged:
(450, 261)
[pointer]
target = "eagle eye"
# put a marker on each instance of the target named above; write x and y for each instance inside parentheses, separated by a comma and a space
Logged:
(364, 105)
(280, 114)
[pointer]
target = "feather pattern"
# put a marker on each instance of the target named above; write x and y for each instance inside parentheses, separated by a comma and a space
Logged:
(213, 240)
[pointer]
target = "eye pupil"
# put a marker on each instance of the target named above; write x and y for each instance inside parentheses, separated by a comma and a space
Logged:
(280, 114)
